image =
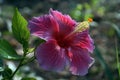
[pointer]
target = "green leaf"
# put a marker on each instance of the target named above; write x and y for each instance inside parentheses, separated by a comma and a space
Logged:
(6, 74)
(19, 28)
(7, 51)
(28, 78)
(117, 57)
(103, 64)
(1, 65)
(30, 50)
(38, 41)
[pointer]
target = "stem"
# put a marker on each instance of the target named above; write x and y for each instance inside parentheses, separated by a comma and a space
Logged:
(22, 61)
(20, 64)
(30, 60)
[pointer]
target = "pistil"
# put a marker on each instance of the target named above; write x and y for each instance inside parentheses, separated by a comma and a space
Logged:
(81, 26)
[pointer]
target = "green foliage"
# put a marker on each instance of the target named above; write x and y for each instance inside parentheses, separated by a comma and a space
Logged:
(116, 29)
(88, 10)
(112, 30)
(1, 65)
(117, 57)
(82, 12)
(19, 28)
(30, 50)
(7, 51)
(77, 12)
(28, 78)
(103, 64)
(6, 74)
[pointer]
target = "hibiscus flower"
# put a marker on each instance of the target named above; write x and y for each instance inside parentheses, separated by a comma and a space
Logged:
(67, 43)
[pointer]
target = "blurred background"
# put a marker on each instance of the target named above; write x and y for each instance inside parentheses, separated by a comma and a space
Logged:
(105, 30)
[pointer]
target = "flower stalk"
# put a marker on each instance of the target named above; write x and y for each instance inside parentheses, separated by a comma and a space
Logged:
(22, 62)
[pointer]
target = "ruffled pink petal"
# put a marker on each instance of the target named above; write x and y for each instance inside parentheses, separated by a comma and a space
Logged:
(83, 40)
(66, 24)
(80, 62)
(50, 56)
(43, 27)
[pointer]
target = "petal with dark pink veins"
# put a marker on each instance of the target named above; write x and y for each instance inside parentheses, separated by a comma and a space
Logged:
(84, 41)
(50, 56)
(80, 62)
(66, 24)
(43, 27)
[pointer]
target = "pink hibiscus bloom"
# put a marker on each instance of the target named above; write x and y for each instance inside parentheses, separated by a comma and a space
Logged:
(67, 43)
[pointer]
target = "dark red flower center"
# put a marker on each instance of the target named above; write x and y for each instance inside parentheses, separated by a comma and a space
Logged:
(63, 42)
